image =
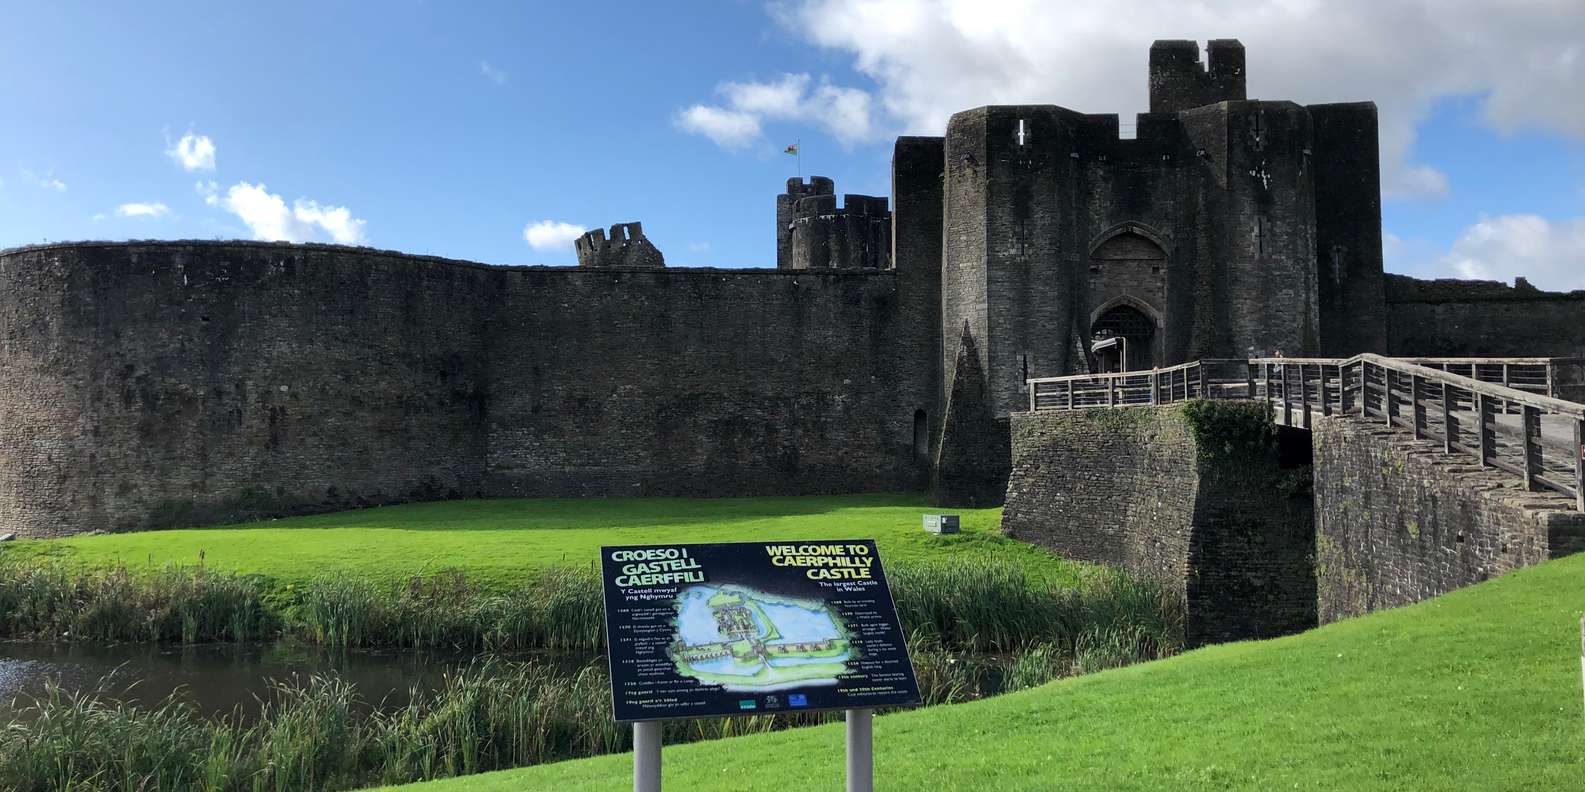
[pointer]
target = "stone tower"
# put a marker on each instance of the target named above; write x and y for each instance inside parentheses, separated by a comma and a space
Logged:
(1198, 237)
(812, 233)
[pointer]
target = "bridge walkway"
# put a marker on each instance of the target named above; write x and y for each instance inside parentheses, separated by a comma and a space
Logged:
(1521, 418)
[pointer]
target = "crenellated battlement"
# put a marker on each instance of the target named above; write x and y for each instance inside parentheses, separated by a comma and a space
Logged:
(625, 247)
(812, 233)
(1179, 81)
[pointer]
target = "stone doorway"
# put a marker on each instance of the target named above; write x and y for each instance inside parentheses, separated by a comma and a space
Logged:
(1123, 338)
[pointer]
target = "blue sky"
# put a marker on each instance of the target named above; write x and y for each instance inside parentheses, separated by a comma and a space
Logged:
(450, 128)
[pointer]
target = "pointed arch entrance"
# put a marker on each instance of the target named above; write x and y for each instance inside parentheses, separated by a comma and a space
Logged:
(1124, 337)
(1128, 286)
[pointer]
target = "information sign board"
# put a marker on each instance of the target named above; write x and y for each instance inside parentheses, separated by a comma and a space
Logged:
(695, 630)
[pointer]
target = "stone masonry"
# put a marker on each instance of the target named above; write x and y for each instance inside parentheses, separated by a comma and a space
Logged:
(626, 246)
(1398, 521)
(1143, 489)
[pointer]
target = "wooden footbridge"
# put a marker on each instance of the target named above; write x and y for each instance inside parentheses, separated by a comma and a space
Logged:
(1522, 416)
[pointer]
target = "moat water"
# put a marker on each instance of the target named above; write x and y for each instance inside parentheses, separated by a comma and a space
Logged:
(218, 679)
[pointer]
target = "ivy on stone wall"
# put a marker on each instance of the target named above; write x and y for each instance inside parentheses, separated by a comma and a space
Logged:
(1229, 434)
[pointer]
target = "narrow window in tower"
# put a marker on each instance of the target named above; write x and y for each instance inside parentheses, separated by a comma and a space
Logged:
(1021, 132)
(921, 435)
(1018, 237)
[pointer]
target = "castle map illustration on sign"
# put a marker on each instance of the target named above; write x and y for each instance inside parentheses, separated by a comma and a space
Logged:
(747, 640)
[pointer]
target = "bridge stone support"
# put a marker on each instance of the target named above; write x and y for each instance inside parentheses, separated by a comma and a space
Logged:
(1197, 495)
(1398, 521)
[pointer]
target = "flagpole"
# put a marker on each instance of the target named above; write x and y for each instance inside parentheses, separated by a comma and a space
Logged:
(800, 144)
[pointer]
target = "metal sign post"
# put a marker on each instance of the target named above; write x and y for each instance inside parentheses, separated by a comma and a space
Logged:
(646, 756)
(861, 753)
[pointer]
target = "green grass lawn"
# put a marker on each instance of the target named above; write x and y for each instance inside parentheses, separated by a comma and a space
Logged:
(1476, 690)
(495, 541)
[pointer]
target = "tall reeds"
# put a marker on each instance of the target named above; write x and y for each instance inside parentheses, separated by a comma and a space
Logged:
(973, 629)
(175, 605)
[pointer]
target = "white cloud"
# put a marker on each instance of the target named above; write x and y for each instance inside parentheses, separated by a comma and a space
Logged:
(1416, 181)
(698, 247)
(781, 99)
(931, 58)
(551, 234)
(47, 181)
(268, 217)
(728, 128)
(845, 113)
(491, 73)
(1550, 254)
(193, 152)
(209, 190)
(151, 210)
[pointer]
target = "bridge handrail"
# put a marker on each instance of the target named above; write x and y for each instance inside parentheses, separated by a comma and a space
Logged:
(1413, 366)
(1371, 387)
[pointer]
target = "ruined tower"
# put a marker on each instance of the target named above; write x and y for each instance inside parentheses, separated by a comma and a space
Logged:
(625, 247)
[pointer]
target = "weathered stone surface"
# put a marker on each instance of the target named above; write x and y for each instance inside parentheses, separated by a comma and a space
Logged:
(1398, 521)
(812, 233)
(156, 384)
(1207, 223)
(1211, 510)
(626, 247)
(971, 469)
(1483, 319)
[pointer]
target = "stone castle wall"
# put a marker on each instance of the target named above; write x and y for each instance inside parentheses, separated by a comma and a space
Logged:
(1482, 319)
(1140, 488)
(156, 384)
(1398, 521)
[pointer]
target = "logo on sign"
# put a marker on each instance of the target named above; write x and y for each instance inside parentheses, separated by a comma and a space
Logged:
(745, 704)
(772, 702)
(797, 700)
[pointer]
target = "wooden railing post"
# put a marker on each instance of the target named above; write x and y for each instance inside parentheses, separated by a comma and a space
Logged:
(1364, 389)
(1111, 396)
(1417, 406)
(1579, 464)
(1265, 376)
(1199, 379)
(1326, 393)
(1449, 419)
(1343, 402)
(1532, 444)
(1249, 380)
(1031, 397)
(1070, 394)
(1486, 430)
(1153, 381)
(1389, 401)
(1287, 403)
(1304, 392)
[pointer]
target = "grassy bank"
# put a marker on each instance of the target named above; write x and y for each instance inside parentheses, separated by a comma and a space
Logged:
(974, 629)
(321, 734)
(1479, 689)
(496, 541)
